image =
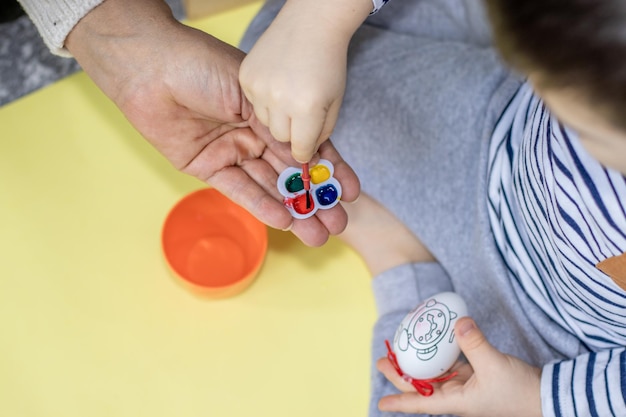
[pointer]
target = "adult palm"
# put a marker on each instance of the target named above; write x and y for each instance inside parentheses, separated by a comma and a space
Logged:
(179, 88)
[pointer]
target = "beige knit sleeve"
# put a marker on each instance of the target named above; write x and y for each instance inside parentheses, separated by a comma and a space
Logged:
(56, 18)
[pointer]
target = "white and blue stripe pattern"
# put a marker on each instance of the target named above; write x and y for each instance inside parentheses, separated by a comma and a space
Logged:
(555, 213)
(593, 385)
(378, 4)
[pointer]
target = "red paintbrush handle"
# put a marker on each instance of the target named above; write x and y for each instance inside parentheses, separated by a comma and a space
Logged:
(306, 177)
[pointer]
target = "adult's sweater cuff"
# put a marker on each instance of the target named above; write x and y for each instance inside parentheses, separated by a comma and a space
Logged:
(55, 19)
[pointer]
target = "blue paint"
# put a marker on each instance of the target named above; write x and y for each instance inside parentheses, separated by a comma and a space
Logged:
(327, 194)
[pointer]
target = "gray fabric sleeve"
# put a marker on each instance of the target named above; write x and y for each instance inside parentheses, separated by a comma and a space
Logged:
(403, 287)
(55, 19)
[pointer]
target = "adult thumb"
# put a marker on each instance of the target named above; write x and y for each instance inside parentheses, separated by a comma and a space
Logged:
(474, 345)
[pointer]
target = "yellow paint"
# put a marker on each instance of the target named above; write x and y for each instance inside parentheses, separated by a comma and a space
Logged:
(319, 174)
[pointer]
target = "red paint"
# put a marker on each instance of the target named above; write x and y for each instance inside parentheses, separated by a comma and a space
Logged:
(299, 203)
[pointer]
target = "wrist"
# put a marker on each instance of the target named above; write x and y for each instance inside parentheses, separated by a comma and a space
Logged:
(114, 19)
(114, 35)
(55, 19)
(340, 19)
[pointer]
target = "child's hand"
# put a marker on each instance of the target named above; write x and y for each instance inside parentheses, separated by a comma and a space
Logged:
(491, 385)
(295, 75)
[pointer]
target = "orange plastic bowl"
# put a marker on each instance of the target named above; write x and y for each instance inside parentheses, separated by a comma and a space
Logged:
(213, 245)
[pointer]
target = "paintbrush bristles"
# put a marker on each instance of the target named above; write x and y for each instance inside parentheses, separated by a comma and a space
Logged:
(306, 180)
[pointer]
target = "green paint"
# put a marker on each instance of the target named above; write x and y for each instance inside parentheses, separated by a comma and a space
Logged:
(294, 183)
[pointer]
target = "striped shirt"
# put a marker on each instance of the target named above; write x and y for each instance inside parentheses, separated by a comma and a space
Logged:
(378, 4)
(556, 213)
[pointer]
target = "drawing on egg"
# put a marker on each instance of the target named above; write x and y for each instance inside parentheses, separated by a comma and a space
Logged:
(427, 328)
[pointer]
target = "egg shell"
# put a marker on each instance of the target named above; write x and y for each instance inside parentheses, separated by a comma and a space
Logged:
(424, 342)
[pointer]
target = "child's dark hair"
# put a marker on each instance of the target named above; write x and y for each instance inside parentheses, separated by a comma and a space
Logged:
(570, 43)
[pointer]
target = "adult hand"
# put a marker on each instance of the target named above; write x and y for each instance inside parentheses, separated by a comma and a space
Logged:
(179, 88)
(295, 75)
(491, 385)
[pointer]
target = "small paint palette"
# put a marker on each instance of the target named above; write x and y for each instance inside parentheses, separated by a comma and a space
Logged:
(325, 190)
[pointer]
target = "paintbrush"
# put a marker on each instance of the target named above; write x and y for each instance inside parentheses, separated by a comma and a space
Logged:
(306, 180)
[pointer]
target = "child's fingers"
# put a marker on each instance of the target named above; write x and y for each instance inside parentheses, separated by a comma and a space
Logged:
(262, 113)
(414, 403)
(330, 122)
(410, 403)
(481, 355)
(305, 132)
(385, 367)
(280, 126)
(447, 398)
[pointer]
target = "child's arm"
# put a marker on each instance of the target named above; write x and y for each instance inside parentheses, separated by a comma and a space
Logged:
(295, 74)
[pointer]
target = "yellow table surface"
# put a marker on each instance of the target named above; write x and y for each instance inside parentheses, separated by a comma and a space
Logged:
(92, 323)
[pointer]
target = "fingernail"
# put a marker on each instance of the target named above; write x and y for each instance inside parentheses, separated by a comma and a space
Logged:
(466, 327)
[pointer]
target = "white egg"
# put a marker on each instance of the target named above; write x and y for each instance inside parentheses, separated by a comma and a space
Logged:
(424, 343)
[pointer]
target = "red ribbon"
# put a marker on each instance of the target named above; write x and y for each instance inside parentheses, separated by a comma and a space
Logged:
(423, 386)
